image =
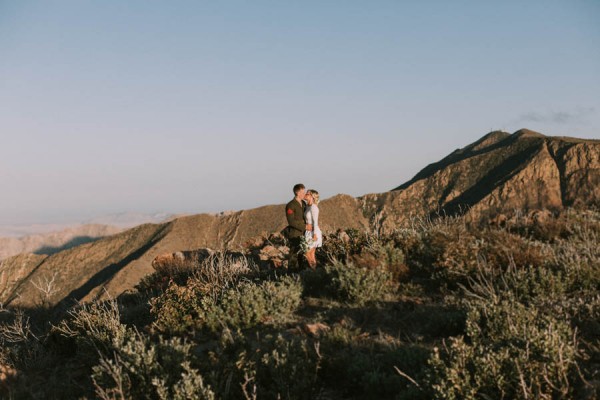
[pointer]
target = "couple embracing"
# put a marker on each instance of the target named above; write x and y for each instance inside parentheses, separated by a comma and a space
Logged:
(303, 231)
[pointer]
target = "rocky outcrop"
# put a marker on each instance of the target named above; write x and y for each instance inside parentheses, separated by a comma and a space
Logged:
(497, 174)
(489, 178)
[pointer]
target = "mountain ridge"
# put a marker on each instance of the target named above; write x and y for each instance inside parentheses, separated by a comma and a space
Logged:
(498, 173)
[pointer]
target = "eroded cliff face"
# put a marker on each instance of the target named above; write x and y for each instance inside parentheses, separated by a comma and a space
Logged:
(499, 173)
(579, 166)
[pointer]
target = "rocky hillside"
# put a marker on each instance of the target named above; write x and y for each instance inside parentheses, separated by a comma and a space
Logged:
(497, 174)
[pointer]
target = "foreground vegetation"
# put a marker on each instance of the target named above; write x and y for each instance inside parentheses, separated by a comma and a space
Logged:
(437, 309)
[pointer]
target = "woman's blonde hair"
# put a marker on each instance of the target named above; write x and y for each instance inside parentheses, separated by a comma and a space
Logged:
(315, 195)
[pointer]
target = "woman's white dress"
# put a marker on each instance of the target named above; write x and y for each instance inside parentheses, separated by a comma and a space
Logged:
(311, 215)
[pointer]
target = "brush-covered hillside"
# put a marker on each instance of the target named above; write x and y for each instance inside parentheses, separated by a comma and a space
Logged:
(478, 278)
(486, 180)
(435, 309)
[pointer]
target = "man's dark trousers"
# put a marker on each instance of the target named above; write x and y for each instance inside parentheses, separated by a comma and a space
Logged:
(294, 212)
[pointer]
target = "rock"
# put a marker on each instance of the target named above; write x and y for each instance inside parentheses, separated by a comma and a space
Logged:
(180, 257)
(315, 329)
(277, 239)
(499, 220)
(270, 252)
(255, 243)
(7, 374)
(540, 217)
(163, 260)
(284, 250)
(343, 236)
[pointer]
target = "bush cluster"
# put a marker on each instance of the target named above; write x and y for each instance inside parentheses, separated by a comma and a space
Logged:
(139, 368)
(437, 309)
(263, 366)
(509, 351)
(194, 306)
(359, 285)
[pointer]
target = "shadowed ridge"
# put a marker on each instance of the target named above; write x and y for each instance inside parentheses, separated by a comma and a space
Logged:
(494, 179)
(523, 132)
(107, 273)
(76, 241)
(486, 143)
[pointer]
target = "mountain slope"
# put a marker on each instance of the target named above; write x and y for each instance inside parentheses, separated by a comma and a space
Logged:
(118, 262)
(499, 173)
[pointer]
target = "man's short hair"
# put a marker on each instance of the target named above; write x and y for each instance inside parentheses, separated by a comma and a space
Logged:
(298, 187)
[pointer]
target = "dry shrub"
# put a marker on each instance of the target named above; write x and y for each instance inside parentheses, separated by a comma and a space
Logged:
(566, 225)
(139, 368)
(94, 327)
(212, 268)
(20, 347)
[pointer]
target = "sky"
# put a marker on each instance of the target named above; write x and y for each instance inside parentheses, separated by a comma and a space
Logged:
(203, 106)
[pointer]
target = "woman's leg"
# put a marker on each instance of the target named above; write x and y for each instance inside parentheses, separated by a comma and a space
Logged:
(307, 256)
(311, 257)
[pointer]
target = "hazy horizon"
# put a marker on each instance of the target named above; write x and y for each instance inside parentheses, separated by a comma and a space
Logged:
(192, 107)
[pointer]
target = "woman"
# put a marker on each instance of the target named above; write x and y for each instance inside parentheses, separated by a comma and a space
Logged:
(313, 234)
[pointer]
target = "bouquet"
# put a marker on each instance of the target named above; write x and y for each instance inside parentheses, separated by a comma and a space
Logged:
(306, 243)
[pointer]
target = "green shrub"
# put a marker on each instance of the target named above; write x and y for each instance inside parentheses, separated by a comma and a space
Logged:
(530, 285)
(359, 285)
(32, 368)
(392, 259)
(251, 303)
(178, 309)
(139, 368)
(271, 367)
(579, 261)
(362, 367)
(243, 306)
(510, 352)
(355, 243)
(446, 255)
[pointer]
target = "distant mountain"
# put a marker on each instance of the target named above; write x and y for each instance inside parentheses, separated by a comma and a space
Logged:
(52, 238)
(53, 242)
(130, 219)
(499, 173)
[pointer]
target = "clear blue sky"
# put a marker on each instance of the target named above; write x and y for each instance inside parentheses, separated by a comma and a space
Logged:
(177, 106)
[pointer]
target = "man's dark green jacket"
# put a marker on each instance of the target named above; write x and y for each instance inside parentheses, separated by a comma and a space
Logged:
(294, 212)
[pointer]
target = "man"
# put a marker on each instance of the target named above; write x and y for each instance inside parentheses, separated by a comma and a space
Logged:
(294, 212)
